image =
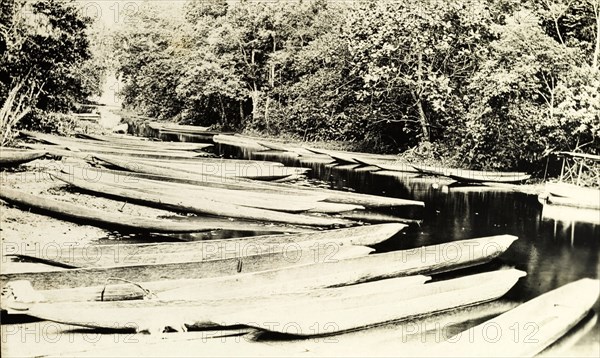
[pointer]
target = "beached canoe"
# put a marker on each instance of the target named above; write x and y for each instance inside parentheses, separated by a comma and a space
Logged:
(209, 172)
(376, 217)
(199, 205)
(247, 144)
(157, 253)
(568, 214)
(573, 195)
(342, 197)
(387, 164)
(119, 221)
(126, 142)
(473, 176)
(221, 161)
(141, 150)
(10, 157)
(338, 156)
(282, 256)
(72, 151)
(251, 170)
(424, 260)
(183, 128)
(527, 329)
(334, 310)
(264, 200)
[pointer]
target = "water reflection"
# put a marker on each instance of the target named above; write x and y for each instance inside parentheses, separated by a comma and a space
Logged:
(553, 248)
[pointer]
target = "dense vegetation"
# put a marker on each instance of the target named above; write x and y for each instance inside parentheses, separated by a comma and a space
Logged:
(45, 65)
(482, 83)
(489, 83)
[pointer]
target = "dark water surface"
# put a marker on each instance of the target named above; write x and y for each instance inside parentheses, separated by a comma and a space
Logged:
(552, 250)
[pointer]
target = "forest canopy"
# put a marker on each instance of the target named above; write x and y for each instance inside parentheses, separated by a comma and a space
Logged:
(490, 83)
(493, 84)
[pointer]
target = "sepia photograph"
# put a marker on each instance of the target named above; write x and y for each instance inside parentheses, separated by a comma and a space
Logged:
(300, 178)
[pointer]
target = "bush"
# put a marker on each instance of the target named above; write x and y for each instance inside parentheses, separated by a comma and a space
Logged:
(55, 123)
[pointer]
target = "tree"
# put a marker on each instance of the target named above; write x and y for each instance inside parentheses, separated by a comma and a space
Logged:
(44, 45)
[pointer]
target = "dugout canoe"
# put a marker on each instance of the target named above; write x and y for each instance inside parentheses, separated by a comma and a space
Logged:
(338, 156)
(375, 217)
(282, 256)
(10, 157)
(250, 170)
(133, 145)
(117, 143)
(342, 197)
(199, 205)
(79, 145)
(473, 176)
(141, 187)
(540, 322)
(336, 309)
(418, 261)
(221, 161)
(492, 177)
(573, 195)
(265, 200)
(568, 214)
(158, 253)
(149, 154)
(387, 164)
(183, 128)
(211, 173)
(123, 222)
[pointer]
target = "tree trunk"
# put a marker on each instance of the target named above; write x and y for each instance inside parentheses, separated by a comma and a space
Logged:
(417, 98)
(241, 112)
(223, 120)
(267, 100)
(255, 102)
(596, 6)
(422, 119)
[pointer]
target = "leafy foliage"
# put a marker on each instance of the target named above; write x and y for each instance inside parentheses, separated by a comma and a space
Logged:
(486, 83)
(45, 61)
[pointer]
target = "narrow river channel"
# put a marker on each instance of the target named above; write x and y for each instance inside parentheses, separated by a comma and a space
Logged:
(554, 248)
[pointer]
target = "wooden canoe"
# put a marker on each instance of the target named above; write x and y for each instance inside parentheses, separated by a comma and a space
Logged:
(183, 128)
(527, 329)
(95, 178)
(199, 205)
(590, 203)
(238, 141)
(568, 214)
(473, 176)
(424, 260)
(119, 221)
(293, 203)
(391, 165)
(10, 157)
(338, 156)
(246, 184)
(250, 170)
(158, 253)
(117, 143)
(221, 161)
(334, 310)
(283, 255)
(73, 151)
(203, 173)
(79, 145)
(573, 195)
(252, 185)
(375, 217)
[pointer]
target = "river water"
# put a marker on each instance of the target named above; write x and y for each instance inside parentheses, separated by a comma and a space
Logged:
(554, 248)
